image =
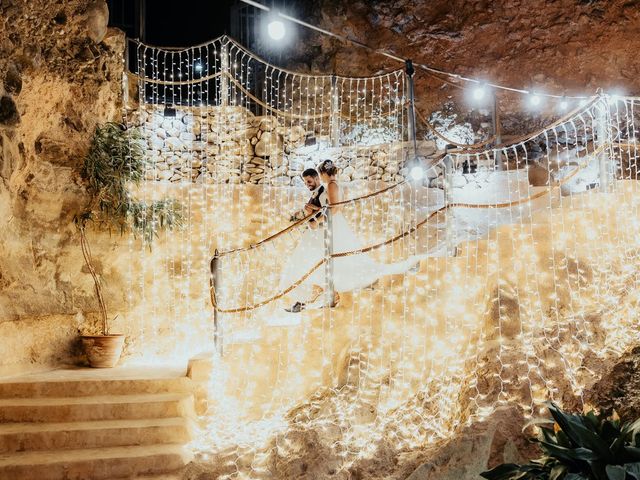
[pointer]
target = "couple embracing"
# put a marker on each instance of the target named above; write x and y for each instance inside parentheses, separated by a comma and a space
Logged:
(350, 272)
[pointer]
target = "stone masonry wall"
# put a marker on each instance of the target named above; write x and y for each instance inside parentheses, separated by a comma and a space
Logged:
(231, 145)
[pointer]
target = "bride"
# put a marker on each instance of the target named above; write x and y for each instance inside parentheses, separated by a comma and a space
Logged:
(350, 272)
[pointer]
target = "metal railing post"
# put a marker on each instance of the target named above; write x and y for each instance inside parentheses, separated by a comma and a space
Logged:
(328, 254)
(450, 234)
(411, 114)
(217, 321)
(495, 122)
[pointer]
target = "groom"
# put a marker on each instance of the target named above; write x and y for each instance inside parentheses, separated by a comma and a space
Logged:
(313, 207)
(312, 181)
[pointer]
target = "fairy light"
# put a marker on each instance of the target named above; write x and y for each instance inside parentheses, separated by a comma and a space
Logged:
(417, 173)
(276, 29)
(502, 322)
(564, 104)
(534, 99)
(479, 92)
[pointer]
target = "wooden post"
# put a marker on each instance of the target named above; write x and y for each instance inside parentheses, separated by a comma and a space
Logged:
(217, 321)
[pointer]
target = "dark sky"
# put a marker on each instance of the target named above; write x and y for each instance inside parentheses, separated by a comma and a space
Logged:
(186, 22)
(181, 23)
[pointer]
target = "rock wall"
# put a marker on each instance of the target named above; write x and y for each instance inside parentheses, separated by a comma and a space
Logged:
(231, 145)
(60, 74)
(562, 47)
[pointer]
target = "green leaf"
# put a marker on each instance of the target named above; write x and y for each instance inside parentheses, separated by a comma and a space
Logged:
(506, 471)
(566, 423)
(574, 476)
(557, 471)
(578, 433)
(615, 472)
(610, 432)
(568, 455)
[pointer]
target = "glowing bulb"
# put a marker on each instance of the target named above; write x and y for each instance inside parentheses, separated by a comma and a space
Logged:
(563, 104)
(534, 100)
(198, 67)
(276, 29)
(417, 173)
(479, 92)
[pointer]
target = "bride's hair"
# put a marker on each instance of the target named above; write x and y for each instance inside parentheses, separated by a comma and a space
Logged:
(328, 167)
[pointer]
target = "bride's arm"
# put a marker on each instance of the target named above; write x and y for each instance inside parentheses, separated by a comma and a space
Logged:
(333, 195)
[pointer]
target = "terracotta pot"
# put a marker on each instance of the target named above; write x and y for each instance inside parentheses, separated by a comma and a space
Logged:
(103, 351)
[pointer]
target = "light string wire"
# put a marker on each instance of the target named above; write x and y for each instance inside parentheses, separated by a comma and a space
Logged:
(397, 58)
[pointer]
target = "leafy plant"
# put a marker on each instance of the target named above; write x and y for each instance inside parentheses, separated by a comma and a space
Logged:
(114, 163)
(580, 447)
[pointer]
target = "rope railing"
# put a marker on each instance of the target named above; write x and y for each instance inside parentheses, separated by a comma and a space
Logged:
(276, 111)
(228, 40)
(448, 140)
(270, 238)
(531, 136)
(308, 217)
(400, 236)
(156, 81)
(403, 182)
(468, 148)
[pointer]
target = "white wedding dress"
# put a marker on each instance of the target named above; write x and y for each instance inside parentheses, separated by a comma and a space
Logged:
(349, 273)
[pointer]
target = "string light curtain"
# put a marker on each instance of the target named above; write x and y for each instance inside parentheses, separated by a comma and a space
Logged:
(525, 275)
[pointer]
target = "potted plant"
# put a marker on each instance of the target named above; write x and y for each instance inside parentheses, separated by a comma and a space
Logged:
(580, 447)
(114, 163)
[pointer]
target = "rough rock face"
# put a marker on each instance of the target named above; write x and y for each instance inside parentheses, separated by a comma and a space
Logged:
(60, 74)
(618, 388)
(564, 47)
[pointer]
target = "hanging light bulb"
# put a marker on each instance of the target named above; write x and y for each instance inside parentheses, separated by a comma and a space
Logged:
(534, 99)
(417, 173)
(198, 67)
(564, 104)
(479, 92)
(276, 29)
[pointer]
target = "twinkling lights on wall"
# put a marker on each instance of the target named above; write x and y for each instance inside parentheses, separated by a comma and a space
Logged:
(525, 273)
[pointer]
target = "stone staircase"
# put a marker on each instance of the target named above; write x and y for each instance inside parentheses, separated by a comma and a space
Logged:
(88, 424)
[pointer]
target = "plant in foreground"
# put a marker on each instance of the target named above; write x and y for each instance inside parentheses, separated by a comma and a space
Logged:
(580, 447)
(114, 163)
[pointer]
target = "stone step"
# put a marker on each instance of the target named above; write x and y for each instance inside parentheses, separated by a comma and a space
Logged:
(94, 463)
(21, 437)
(103, 407)
(79, 382)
